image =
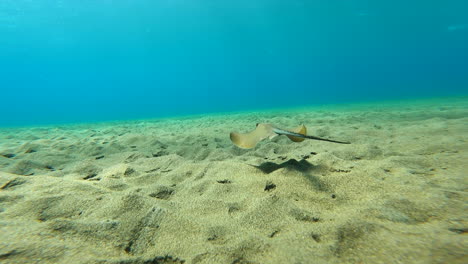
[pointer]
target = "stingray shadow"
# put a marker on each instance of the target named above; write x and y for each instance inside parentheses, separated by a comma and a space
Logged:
(292, 164)
(302, 166)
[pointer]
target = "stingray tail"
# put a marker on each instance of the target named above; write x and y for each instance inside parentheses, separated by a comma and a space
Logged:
(289, 133)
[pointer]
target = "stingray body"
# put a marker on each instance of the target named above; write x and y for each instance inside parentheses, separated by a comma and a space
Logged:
(263, 131)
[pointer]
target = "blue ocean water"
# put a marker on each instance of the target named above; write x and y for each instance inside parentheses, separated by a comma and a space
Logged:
(81, 61)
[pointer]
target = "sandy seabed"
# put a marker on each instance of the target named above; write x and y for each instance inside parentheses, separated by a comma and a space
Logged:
(177, 190)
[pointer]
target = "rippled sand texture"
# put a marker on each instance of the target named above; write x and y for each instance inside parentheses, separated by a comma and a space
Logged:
(177, 190)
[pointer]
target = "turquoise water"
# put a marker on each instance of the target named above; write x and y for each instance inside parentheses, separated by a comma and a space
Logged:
(81, 61)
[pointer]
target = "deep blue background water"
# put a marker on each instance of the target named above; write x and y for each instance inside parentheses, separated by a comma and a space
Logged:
(90, 60)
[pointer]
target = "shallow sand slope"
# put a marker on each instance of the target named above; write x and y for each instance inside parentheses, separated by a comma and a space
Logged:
(177, 190)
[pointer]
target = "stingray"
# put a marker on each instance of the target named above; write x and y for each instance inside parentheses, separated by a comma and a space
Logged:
(263, 131)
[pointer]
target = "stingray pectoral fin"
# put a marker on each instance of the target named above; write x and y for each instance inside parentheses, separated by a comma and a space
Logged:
(250, 140)
(243, 141)
(300, 130)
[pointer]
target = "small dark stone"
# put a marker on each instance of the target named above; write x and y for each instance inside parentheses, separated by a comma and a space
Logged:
(92, 175)
(159, 154)
(133, 146)
(316, 238)
(163, 193)
(50, 168)
(129, 171)
(100, 157)
(273, 233)
(30, 151)
(164, 259)
(339, 170)
(333, 196)
(9, 155)
(313, 153)
(269, 186)
(128, 248)
(241, 261)
(224, 181)
(234, 207)
(459, 230)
